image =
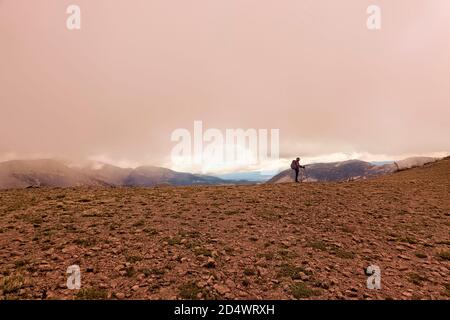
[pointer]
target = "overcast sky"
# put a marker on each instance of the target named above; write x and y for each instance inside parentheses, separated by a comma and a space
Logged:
(139, 69)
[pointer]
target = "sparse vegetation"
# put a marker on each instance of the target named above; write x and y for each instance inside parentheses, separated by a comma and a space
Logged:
(91, 294)
(290, 271)
(133, 258)
(139, 223)
(266, 255)
(21, 263)
(130, 272)
(408, 239)
(444, 254)
(416, 278)
(420, 255)
(173, 240)
(151, 231)
(249, 271)
(341, 253)
(85, 242)
(300, 290)
(12, 283)
(203, 252)
(149, 272)
(319, 245)
(189, 291)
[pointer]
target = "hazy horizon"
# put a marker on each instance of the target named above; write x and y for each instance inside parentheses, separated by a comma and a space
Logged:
(284, 164)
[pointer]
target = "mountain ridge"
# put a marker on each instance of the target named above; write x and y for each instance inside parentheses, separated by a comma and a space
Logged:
(349, 170)
(57, 173)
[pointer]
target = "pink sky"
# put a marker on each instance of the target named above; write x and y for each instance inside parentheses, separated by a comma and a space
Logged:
(137, 70)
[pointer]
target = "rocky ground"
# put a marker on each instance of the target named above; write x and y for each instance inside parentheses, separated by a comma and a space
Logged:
(284, 241)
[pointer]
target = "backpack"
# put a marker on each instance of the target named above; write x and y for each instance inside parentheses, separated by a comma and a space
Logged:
(293, 165)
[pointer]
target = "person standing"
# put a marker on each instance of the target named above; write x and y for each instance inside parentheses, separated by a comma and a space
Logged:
(295, 165)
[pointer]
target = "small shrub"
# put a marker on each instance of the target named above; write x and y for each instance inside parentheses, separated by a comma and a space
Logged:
(319, 245)
(12, 283)
(203, 252)
(302, 291)
(420, 255)
(189, 291)
(249, 272)
(416, 278)
(290, 271)
(91, 294)
(444, 254)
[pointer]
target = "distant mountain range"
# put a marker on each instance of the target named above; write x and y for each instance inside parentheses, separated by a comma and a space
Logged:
(54, 173)
(349, 170)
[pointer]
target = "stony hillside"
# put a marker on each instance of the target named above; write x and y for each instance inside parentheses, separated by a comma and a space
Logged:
(348, 170)
(335, 171)
(271, 241)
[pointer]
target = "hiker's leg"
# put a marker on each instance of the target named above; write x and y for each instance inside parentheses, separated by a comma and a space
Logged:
(296, 175)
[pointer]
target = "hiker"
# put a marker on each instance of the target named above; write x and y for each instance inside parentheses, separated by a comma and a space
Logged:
(295, 165)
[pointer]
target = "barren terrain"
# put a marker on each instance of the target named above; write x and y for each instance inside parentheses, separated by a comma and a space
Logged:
(270, 241)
